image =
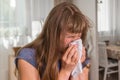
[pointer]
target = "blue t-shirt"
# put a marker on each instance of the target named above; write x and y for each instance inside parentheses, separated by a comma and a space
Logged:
(28, 54)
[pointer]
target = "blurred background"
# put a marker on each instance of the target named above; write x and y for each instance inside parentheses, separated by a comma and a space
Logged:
(22, 20)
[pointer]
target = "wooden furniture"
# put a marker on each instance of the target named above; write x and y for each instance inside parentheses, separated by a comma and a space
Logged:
(13, 74)
(105, 62)
(12, 68)
(114, 53)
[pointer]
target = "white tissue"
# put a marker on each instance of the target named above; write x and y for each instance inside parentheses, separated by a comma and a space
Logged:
(78, 68)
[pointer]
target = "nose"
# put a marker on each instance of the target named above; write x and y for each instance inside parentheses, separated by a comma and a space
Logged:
(75, 38)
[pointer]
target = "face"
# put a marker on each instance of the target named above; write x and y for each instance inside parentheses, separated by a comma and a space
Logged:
(69, 37)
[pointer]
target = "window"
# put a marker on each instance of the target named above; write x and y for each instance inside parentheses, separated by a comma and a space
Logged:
(12, 21)
(7, 17)
(103, 15)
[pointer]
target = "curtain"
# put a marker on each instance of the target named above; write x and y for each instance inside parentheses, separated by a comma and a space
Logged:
(20, 22)
(60, 1)
(13, 25)
(117, 33)
(13, 22)
(107, 26)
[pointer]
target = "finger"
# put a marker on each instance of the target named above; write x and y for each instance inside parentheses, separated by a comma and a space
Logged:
(72, 52)
(68, 51)
(76, 60)
(74, 56)
(83, 57)
(83, 51)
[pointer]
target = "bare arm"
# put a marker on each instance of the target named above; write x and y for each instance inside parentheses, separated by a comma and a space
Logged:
(27, 71)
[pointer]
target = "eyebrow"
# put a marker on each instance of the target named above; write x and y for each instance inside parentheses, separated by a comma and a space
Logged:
(73, 34)
(67, 34)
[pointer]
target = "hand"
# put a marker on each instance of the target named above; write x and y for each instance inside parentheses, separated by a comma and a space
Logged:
(83, 57)
(70, 59)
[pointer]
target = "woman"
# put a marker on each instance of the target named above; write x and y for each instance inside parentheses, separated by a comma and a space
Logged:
(50, 56)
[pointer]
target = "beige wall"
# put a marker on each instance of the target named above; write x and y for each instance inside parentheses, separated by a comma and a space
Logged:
(88, 7)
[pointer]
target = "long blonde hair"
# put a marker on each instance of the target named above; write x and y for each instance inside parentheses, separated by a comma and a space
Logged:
(63, 17)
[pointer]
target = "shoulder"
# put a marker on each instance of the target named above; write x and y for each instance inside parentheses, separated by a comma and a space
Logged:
(27, 51)
(27, 54)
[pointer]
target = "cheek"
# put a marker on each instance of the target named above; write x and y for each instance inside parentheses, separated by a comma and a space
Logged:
(67, 42)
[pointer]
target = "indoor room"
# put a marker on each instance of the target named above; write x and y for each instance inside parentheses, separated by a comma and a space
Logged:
(22, 21)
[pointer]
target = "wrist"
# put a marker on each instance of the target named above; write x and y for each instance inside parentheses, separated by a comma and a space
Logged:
(63, 75)
(86, 63)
